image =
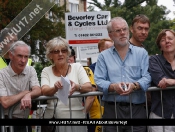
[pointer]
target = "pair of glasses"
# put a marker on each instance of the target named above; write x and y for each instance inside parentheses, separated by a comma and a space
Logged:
(120, 30)
(58, 51)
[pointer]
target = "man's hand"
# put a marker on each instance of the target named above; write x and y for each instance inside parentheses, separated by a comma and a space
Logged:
(129, 90)
(26, 102)
(118, 87)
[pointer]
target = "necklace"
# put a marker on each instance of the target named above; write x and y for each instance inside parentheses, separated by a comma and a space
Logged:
(63, 72)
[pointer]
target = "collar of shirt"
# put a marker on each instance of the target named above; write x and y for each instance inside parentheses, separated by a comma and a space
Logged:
(12, 73)
(163, 60)
(130, 48)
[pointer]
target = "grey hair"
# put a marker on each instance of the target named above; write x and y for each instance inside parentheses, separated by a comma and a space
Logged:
(21, 44)
(54, 43)
(109, 25)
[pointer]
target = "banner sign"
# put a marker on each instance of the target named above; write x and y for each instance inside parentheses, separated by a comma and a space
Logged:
(86, 28)
(85, 122)
(89, 51)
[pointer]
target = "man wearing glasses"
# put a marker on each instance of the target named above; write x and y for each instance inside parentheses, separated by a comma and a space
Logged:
(122, 69)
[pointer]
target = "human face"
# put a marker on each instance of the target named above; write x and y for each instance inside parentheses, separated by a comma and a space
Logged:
(71, 59)
(120, 33)
(167, 43)
(140, 31)
(107, 45)
(59, 55)
(19, 58)
(10, 40)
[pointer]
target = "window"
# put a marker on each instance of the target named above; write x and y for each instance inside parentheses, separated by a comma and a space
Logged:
(73, 5)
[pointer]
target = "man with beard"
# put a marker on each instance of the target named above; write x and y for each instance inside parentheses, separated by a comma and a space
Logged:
(123, 69)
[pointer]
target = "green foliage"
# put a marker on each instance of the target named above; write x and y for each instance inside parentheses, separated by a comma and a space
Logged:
(39, 67)
(44, 30)
(130, 8)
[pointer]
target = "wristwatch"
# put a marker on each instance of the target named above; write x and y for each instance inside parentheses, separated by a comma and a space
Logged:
(135, 86)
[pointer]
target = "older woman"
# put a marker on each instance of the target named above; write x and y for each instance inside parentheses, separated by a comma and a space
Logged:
(58, 52)
(162, 68)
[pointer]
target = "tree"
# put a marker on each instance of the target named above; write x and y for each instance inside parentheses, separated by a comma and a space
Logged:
(130, 8)
(44, 30)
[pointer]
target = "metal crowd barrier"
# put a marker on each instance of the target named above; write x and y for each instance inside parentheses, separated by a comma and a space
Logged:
(11, 109)
(94, 93)
(2, 117)
(97, 93)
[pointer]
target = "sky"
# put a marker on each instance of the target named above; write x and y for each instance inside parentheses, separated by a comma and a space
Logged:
(168, 3)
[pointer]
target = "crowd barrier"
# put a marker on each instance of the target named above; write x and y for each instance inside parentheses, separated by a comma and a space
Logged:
(94, 93)
(11, 109)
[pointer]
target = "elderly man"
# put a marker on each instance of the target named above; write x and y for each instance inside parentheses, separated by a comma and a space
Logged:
(18, 82)
(123, 69)
(6, 40)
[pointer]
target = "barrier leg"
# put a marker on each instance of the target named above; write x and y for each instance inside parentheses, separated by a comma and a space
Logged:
(130, 105)
(115, 111)
(11, 129)
(162, 109)
(2, 128)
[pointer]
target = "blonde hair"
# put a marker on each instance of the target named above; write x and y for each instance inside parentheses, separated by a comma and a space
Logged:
(54, 43)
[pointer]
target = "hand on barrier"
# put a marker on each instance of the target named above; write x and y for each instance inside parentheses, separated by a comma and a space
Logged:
(26, 101)
(128, 88)
(73, 87)
(166, 82)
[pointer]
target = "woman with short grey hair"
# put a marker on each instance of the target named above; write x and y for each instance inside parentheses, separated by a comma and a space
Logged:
(58, 52)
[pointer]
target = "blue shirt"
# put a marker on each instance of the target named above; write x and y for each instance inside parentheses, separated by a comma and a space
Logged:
(110, 68)
(160, 68)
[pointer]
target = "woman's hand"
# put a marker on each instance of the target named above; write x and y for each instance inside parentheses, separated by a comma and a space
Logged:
(58, 85)
(74, 87)
(166, 82)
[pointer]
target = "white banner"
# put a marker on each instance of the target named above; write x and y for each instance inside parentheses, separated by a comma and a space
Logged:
(86, 28)
(89, 51)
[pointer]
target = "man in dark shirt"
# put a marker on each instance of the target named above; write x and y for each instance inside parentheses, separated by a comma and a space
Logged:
(162, 70)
